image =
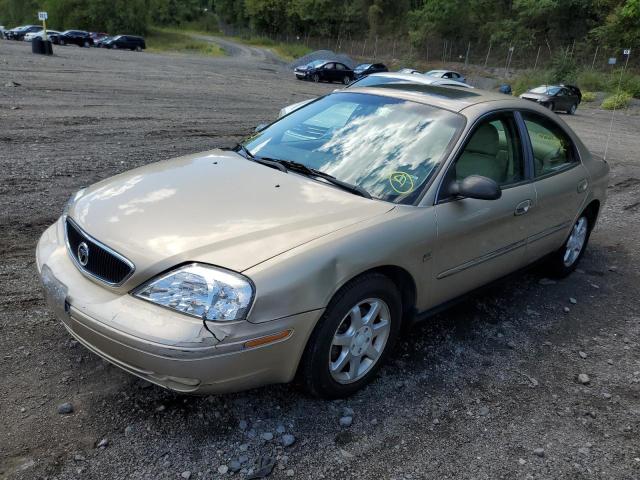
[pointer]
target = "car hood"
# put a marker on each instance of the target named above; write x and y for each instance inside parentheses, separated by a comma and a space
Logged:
(535, 96)
(214, 207)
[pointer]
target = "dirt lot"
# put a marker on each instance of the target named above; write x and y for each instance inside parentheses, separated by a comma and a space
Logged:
(472, 394)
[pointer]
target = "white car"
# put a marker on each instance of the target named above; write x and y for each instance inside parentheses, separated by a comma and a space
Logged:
(386, 78)
(446, 74)
(32, 35)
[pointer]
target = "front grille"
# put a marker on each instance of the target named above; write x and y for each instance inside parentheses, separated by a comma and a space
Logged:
(101, 262)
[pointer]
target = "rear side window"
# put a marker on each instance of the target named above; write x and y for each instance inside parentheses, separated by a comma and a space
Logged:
(553, 150)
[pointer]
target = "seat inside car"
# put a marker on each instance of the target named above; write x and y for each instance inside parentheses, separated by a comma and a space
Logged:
(482, 156)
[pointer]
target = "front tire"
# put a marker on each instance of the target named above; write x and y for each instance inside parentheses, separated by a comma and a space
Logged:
(346, 80)
(565, 260)
(549, 106)
(316, 77)
(86, 44)
(62, 42)
(353, 338)
(572, 109)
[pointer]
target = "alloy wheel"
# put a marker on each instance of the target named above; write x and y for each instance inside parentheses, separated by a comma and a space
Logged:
(576, 242)
(360, 340)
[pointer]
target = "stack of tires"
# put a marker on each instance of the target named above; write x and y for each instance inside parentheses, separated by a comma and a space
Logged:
(41, 47)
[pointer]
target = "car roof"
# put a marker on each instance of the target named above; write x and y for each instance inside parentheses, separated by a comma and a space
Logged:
(454, 99)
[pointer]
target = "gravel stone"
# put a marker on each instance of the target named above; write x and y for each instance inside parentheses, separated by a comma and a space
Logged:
(65, 408)
(346, 421)
(234, 466)
(539, 452)
(222, 469)
(267, 436)
(582, 354)
(186, 475)
(583, 378)
(103, 443)
(288, 440)
(483, 411)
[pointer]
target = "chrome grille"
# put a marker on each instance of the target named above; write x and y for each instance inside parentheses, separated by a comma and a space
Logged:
(101, 261)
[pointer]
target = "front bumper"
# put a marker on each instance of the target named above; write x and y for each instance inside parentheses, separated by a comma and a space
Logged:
(161, 346)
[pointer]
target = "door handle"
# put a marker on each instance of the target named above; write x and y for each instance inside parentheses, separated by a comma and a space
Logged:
(582, 185)
(523, 207)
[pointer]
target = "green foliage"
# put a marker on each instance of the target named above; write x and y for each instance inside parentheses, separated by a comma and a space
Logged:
(287, 51)
(172, 40)
(530, 79)
(588, 96)
(617, 101)
(563, 68)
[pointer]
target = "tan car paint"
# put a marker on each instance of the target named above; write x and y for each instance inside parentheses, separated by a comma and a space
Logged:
(299, 242)
(213, 207)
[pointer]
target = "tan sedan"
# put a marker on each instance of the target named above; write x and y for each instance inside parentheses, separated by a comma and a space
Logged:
(302, 251)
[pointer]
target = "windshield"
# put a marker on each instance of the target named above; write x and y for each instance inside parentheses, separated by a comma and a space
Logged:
(546, 90)
(387, 146)
(363, 66)
(316, 63)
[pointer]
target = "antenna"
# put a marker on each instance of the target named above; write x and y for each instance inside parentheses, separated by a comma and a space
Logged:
(627, 53)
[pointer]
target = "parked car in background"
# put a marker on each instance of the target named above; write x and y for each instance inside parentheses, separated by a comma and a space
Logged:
(555, 97)
(98, 37)
(387, 78)
(450, 74)
(325, 71)
(75, 37)
(125, 42)
(18, 33)
(376, 209)
(409, 70)
(32, 35)
(365, 69)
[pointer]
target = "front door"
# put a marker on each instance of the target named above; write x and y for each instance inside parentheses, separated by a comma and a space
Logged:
(482, 240)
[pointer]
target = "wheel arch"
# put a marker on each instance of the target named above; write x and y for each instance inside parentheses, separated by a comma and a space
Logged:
(401, 278)
(591, 211)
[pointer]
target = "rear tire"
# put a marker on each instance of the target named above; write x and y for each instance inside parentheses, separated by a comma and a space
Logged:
(565, 260)
(346, 80)
(353, 338)
(572, 109)
(549, 106)
(138, 48)
(62, 42)
(86, 44)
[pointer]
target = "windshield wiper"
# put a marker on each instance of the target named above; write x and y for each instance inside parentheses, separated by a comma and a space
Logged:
(312, 172)
(269, 162)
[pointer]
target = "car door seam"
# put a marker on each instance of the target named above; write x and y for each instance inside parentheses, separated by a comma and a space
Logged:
(481, 259)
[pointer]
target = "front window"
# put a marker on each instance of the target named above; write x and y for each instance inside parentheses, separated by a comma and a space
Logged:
(387, 146)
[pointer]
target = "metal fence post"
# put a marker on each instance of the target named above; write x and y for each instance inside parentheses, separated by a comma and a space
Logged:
(593, 64)
(466, 57)
(535, 65)
(486, 60)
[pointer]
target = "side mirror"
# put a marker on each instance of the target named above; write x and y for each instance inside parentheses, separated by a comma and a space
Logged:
(476, 186)
(260, 127)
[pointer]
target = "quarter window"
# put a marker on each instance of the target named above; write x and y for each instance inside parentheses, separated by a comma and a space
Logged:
(552, 148)
(494, 151)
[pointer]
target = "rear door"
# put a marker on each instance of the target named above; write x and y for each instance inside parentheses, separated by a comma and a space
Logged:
(482, 240)
(560, 181)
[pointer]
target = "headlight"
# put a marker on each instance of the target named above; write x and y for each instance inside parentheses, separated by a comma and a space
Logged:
(201, 291)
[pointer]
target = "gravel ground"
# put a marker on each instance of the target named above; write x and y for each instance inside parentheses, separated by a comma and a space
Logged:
(488, 390)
